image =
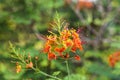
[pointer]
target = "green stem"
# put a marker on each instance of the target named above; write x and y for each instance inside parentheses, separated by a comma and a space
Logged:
(43, 73)
(68, 69)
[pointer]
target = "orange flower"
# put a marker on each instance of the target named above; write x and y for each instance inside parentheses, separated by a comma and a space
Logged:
(47, 48)
(116, 56)
(60, 50)
(30, 65)
(74, 48)
(68, 43)
(77, 57)
(80, 47)
(18, 68)
(77, 44)
(89, 4)
(51, 56)
(113, 58)
(84, 4)
(112, 61)
(52, 38)
(74, 34)
(77, 41)
(65, 34)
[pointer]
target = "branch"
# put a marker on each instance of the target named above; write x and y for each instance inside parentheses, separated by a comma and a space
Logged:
(80, 17)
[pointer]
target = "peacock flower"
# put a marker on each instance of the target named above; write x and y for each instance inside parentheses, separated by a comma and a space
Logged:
(68, 43)
(77, 42)
(60, 50)
(65, 34)
(74, 48)
(51, 56)
(84, 4)
(113, 58)
(51, 39)
(47, 48)
(63, 44)
(77, 57)
(74, 34)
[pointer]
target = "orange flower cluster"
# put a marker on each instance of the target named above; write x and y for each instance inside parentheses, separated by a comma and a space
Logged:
(84, 4)
(81, 4)
(113, 58)
(61, 45)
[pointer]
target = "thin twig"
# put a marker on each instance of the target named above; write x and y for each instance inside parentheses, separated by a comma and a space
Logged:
(80, 17)
(43, 73)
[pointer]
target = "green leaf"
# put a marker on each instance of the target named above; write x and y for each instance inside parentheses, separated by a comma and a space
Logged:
(56, 73)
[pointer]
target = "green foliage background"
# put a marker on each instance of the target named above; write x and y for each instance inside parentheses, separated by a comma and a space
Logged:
(21, 20)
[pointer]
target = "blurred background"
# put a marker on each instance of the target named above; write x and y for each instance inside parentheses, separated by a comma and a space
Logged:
(26, 22)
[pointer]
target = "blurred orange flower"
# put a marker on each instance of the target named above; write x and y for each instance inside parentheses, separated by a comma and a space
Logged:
(51, 56)
(77, 57)
(113, 58)
(47, 48)
(68, 43)
(65, 34)
(59, 50)
(84, 4)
